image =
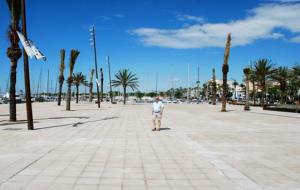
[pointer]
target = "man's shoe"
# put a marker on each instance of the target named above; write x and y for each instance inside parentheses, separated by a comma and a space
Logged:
(153, 129)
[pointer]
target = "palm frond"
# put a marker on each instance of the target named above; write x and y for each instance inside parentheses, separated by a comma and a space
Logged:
(62, 62)
(78, 79)
(73, 57)
(125, 78)
(247, 71)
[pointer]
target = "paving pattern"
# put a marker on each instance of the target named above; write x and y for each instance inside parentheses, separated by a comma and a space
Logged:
(114, 148)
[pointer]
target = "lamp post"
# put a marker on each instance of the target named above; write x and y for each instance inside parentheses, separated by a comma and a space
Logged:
(102, 80)
(26, 72)
(93, 42)
(110, 92)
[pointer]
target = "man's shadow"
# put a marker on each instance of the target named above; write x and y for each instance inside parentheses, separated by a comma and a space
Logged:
(164, 128)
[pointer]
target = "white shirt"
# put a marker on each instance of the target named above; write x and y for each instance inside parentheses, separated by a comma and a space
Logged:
(157, 106)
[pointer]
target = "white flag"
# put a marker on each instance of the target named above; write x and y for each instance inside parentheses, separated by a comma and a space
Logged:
(30, 48)
(25, 44)
(97, 82)
(38, 54)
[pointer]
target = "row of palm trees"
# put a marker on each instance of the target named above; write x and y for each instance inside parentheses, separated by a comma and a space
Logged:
(124, 78)
(264, 75)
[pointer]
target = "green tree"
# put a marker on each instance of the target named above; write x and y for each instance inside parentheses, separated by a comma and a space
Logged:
(264, 69)
(162, 94)
(13, 53)
(294, 85)
(151, 94)
(125, 78)
(61, 77)
(139, 95)
(178, 93)
(73, 56)
(281, 75)
(77, 80)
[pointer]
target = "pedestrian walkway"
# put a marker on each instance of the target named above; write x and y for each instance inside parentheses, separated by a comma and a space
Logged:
(114, 148)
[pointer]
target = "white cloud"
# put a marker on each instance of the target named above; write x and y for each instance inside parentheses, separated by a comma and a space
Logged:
(295, 39)
(286, 1)
(183, 17)
(261, 23)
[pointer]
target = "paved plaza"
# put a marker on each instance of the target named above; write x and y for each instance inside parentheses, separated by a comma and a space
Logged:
(113, 148)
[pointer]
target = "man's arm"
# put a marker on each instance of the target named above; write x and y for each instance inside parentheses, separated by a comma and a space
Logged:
(162, 109)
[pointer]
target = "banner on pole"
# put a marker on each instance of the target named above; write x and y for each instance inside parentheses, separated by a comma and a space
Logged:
(30, 48)
(97, 82)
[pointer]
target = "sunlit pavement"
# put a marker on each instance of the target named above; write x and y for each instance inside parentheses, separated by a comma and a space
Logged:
(114, 148)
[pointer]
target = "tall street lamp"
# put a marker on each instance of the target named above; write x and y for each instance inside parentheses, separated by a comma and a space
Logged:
(26, 72)
(93, 43)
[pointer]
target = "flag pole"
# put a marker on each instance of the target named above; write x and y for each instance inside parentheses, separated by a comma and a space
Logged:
(96, 67)
(110, 92)
(26, 72)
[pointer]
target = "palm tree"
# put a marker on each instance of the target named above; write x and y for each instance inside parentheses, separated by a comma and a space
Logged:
(247, 73)
(205, 90)
(125, 78)
(91, 85)
(264, 69)
(73, 56)
(281, 75)
(296, 69)
(214, 87)
(225, 69)
(235, 83)
(252, 78)
(13, 53)
(78, 79)
(295, 81)
(61, 77)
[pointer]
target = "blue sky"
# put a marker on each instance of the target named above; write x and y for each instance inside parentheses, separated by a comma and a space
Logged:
(153, 36)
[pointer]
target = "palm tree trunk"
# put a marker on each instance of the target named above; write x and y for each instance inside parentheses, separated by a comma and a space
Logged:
(247, 107)
(281, 97)
(77, 93)
(214, 93)
(12, 92)
(254, 92)
(263, 92)
(234, 91)
(102, 90)
(224, 86)
(59, 94)
(124, 95)
(91, 92)
(225, 70)
(68, 104)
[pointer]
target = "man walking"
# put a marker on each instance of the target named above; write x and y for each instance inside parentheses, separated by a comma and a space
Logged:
(157, 112)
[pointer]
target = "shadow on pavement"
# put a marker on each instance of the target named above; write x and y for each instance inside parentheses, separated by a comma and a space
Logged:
(13, 123)
(165, 128)
(63, 118)
(76, 124)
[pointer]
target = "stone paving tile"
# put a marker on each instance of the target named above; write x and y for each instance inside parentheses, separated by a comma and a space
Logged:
(109, 187)
(114, 148)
